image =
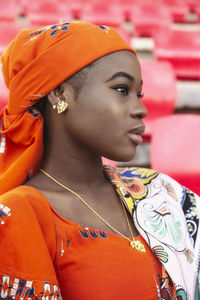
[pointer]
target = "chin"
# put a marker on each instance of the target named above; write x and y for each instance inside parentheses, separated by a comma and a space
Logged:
(122, 157)
(127, 159)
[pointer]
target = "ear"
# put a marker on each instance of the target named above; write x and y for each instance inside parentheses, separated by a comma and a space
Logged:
(53, 99)
(62, 92)
(66, 92)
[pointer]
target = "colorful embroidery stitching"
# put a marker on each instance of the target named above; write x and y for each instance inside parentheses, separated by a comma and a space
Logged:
(86, 233)
(54, 30)
(103, 27)
(4, 212)
(2, 143)
(24, 289)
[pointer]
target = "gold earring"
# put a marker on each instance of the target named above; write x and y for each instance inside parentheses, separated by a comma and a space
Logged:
(61, 106)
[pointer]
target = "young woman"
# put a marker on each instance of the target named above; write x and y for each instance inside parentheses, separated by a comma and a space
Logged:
(70, 227)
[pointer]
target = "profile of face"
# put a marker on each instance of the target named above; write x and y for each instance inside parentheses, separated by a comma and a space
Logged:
(106, 117)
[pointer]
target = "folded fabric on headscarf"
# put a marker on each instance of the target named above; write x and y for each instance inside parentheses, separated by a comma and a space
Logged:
(35, 62)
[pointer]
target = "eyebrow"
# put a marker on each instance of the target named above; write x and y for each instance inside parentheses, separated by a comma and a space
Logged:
(122, 74)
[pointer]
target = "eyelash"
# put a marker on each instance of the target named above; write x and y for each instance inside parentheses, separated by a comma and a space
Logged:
(125, 88)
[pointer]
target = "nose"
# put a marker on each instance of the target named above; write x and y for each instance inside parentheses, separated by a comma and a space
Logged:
(138, 110)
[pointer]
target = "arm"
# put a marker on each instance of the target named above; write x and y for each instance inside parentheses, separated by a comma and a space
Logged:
(26, 256)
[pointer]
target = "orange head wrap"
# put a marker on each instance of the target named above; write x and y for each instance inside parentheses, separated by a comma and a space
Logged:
(35, 62)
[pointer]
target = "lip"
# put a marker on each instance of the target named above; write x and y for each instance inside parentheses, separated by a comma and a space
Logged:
(135, 134)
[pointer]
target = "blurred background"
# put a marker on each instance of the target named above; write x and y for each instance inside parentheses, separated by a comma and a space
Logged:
(166, 36)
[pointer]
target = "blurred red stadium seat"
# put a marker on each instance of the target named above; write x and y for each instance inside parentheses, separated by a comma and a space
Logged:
(40, 13)
(182, 49)
(194, 7)
(3, 92)
(103, 13)
(192, 4)
(197, 11)
(9, 10)
(75, 7)
(8, 31)
(178, 8)
(125, 6)
(175, 149)
(148, 19)
(160, 93)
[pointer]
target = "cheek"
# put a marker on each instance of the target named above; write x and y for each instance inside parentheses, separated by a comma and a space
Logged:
(102, 130)
(98, 119)
(95, 125)
(102, 109)
(104, 121)
(109, 118)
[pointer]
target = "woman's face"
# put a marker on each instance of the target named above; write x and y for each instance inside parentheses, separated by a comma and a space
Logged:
(106, 116)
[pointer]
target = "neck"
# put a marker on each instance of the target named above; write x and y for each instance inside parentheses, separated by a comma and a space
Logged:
(72, 164)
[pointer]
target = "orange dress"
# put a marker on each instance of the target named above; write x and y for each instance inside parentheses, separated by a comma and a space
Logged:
(45, 255)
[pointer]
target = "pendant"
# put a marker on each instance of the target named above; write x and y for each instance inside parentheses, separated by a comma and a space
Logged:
(137, 245)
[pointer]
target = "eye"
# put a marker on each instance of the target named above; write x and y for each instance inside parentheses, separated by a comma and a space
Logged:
(122, 89)
(140, 95)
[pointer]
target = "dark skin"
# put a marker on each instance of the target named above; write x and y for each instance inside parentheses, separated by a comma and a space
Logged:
(96, 124)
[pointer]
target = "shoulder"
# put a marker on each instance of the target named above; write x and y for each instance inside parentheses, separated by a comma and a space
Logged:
(22, 200)
(28, 244)
(23, 193)
(24, 211)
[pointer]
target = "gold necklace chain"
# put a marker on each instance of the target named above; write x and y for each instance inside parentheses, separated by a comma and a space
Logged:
(134, 243)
